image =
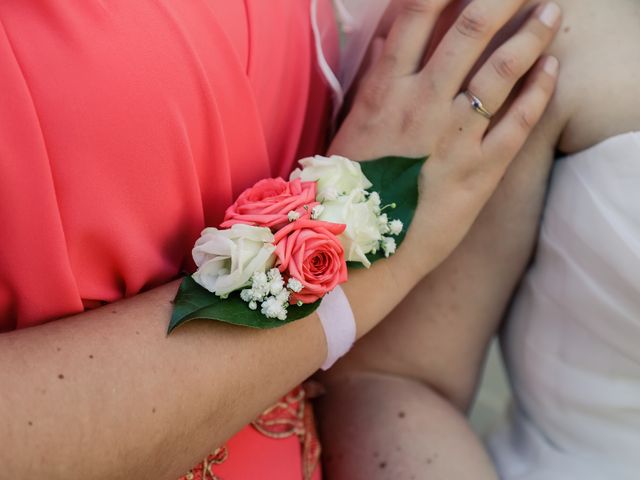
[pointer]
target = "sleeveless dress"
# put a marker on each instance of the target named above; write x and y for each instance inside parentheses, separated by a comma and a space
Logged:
(126, 127)
(572, 340)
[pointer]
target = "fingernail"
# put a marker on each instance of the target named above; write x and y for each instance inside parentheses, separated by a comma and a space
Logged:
(550, 14)
(551, 66)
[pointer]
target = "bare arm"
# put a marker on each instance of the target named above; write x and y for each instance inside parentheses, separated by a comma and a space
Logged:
(106, 394)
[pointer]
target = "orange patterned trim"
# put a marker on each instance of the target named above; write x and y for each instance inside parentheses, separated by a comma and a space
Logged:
(292, 415)
(204, 470)
(285, 418)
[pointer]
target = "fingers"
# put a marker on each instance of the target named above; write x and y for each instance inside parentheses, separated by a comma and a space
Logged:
(509, 135)
(409, 35)
(496, 78)
(508, 64)
(465, 41)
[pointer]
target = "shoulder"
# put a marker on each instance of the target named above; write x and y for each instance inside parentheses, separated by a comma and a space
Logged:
(599, 85)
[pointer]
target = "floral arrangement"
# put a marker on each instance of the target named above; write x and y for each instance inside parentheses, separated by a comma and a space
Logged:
(283, 245)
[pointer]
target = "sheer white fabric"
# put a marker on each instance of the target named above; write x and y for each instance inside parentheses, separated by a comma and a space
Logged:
(358, 20)
(572, 342)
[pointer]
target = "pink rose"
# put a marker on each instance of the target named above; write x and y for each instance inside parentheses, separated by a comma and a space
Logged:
(309, 251)
(268, 203)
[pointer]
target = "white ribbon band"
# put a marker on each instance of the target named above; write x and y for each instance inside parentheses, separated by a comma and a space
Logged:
(338, 323)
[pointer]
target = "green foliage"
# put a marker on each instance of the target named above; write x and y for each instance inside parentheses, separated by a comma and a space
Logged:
(194, 302)
(396, 180)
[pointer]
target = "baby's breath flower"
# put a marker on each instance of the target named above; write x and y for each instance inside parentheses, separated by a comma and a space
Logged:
(374, 201)
(388, 246)
(293, 216)
(272, 308)
(383, 223)
(277, 286)
(260, 286)
(395, 227)
(253, 305)
(294, 285)
(246, 295)
(273, 274)
(316, 211)
(283, 296)
(260, 278)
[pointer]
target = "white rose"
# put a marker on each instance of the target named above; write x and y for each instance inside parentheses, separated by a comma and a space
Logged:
(362, 235)
(227, 259)
(335, 175)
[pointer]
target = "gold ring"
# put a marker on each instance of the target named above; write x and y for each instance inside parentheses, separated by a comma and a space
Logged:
(478, 106)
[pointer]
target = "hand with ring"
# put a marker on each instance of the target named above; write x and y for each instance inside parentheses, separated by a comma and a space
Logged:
(407, 107)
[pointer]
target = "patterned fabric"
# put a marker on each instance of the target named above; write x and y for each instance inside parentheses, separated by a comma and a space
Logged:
(291, 416)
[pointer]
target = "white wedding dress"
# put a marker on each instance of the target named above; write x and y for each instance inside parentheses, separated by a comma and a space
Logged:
(572, 339)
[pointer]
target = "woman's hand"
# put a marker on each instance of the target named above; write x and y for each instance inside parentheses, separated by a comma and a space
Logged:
(409, 108)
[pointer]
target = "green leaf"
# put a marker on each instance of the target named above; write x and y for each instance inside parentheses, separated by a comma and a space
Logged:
(396, 180)
(194, 302)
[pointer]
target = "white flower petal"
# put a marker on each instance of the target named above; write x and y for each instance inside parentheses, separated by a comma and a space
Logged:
(362, 235)
(335, 175)
(227, 259)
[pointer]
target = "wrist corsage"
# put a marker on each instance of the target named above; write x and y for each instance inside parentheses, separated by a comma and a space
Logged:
(283, 245)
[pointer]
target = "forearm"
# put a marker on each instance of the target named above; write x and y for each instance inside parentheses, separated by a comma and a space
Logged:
(111, 380)
(396, 428)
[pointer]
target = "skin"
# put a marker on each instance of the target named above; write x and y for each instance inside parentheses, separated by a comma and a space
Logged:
(424, 360)
(109, 380)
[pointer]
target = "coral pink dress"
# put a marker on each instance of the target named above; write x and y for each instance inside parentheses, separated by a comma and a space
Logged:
(128, 126)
